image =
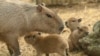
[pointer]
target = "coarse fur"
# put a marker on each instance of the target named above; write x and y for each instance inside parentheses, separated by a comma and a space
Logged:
(19, 19)
(52, 43)
(73, 39)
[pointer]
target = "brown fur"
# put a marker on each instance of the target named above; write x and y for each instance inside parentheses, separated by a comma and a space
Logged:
(75, 36)
(72, 23)
(19, 19)
(52, 43)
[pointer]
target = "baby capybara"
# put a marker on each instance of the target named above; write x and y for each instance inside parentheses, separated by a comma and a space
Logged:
(52, 43)
(73, 39)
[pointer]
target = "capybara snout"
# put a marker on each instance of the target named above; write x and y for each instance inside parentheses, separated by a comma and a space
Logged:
(83, 30)
(61, 28)
(86, 33)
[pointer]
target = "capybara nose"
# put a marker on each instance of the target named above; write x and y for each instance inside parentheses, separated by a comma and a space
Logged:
(61, 28)
(87, 33)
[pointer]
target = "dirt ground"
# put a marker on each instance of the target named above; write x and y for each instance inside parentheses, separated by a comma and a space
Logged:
(89, 15)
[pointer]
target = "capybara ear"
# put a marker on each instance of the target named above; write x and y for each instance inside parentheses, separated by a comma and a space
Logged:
(39, 8)
(79, 20)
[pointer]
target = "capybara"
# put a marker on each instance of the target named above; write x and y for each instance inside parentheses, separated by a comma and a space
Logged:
(19, 19)
(73, 39)
(52, 43)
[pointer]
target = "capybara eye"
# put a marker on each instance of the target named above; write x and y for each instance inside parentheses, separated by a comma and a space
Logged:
(39, 33)
(48, 15)
(33, 36)
(73, 20)
(79, 20)
(80, 29)
(28, 36)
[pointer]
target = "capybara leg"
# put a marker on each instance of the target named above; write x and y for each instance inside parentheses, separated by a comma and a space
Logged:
(9, 49)
(70, 45)
(62, 52)
(66, 52)
(16, 48)
(47, 54)
(13, 45)
(39, 54)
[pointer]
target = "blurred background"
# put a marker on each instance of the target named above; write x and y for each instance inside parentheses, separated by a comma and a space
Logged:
(62, 2)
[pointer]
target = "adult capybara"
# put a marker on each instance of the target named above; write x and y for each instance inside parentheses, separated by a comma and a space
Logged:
(73, 39)
(17, 20)
(52, 43)
(72, 23)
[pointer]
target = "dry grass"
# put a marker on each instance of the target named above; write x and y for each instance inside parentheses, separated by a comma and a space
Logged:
(89, 16)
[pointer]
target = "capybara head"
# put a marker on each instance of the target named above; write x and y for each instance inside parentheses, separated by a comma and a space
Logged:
(80, 32)
(83, 31)
(47, 20)
(73, 23)
(32, 37)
